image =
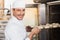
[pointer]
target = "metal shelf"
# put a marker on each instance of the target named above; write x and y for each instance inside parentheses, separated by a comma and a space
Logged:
(53, 2)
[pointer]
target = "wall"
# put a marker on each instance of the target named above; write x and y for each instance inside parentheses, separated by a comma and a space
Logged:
(31, 17)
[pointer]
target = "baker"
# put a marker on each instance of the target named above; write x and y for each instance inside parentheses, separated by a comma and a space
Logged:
(15, 29)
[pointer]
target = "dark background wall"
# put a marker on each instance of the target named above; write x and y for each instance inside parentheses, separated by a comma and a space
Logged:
(54, 14)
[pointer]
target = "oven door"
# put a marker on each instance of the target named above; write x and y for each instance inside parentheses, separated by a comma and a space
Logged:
(49, 34)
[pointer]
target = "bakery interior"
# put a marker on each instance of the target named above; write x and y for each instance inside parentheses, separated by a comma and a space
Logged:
(42, 13)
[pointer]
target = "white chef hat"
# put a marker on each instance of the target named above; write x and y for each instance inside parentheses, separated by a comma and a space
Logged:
(18, 4)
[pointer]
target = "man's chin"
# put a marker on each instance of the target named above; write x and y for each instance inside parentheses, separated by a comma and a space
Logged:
(20, 18)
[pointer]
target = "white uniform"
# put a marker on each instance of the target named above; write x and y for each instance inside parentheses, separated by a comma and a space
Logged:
(15, 30)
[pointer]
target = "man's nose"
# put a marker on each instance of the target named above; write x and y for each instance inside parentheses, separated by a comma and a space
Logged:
(21, 11)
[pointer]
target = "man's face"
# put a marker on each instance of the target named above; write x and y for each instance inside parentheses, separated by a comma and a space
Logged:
(19, 13)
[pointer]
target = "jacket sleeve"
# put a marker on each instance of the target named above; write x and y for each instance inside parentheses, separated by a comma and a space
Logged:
(14, 34)
(27, 38)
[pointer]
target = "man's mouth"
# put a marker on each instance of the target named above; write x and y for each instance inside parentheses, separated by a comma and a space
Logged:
(20, 16)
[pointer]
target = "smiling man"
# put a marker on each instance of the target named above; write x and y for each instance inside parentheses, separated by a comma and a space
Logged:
(15, 29)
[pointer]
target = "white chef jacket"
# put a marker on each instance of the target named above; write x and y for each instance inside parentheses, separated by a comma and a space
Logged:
(15, 30)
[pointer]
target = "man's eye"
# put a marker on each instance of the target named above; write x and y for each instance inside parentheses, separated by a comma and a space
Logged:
(23, 9)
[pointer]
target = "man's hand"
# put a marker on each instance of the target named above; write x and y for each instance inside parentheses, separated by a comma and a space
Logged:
(35, 30)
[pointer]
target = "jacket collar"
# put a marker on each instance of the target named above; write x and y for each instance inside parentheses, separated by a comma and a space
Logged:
(14, 19)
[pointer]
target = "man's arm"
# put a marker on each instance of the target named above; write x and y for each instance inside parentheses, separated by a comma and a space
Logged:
(30, 36)
(33, 32)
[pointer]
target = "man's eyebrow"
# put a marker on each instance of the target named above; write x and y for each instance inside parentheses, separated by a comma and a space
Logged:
(13, 8)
